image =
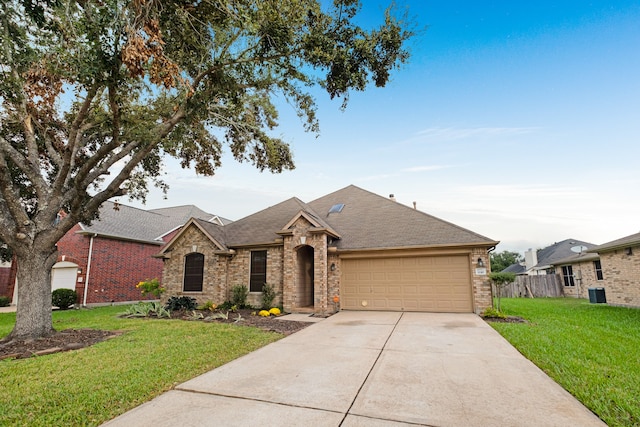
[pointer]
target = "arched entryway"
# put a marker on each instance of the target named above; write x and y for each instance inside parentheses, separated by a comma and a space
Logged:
(304, 277)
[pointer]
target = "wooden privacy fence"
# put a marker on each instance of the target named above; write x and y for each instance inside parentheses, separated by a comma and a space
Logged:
(548, 285)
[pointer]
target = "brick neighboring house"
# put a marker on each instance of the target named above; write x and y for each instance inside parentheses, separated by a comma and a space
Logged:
(104, 261)
(350, 249)
(579, 272)
(620, 260)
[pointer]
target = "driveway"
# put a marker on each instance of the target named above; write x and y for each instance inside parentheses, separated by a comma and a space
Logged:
(373, 369)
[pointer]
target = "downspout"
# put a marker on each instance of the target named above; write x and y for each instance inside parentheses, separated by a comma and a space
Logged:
(86, 280)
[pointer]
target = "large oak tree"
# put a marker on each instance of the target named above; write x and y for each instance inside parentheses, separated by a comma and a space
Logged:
(95, 93)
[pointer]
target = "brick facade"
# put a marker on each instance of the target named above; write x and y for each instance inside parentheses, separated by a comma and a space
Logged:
(5, 273)
(584, 278)
(116, 266)
(621, 272)
(287, 270)
(482, 297)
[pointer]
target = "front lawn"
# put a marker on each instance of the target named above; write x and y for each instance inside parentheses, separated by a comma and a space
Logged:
(92, 385)
(592, 350)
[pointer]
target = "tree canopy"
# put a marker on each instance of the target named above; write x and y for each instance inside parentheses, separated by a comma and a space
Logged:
(94, 93)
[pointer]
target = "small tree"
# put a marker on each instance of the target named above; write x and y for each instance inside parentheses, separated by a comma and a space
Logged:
(500, 280)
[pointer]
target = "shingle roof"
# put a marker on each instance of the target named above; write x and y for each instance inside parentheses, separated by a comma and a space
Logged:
(190, 211)
(129, 223)
(367, 221)
(516, 268)
(575, 258)
(623, 242)
(370, 221)
(262, 227)
(558, 251)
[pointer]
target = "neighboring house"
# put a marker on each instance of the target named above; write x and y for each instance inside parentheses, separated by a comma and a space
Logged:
(579, 272)
(620, 262)
(105, 260)
(542, 261)
(350, 249)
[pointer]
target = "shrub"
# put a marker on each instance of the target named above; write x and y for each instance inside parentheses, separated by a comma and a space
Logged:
(495, 313)
(64, 298)
(181, 303)
(268, 295)
(239, 294)
(5, 301)
(146, 309)
(209, 305)
(264, 313)
(275, 311)
(151, 287)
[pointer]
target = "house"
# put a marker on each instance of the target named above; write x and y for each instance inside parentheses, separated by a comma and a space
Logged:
(620, 270)
(579, 272)
(542, 261)
(103, 261)
(351, 249)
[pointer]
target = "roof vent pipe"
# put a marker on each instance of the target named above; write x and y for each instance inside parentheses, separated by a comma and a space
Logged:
(415, 205)
(392, 197)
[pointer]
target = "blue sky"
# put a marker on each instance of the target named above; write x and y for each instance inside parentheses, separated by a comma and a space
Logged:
(517, 120)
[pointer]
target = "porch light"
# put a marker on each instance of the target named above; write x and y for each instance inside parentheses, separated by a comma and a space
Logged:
(480, 263)
(333, 266)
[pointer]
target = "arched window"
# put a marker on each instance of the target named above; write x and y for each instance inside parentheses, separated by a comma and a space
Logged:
(193, 272)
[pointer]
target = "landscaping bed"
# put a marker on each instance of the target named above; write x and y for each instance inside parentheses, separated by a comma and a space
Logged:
(74, 339)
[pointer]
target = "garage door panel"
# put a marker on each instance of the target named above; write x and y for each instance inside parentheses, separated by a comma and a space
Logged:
(420, 283)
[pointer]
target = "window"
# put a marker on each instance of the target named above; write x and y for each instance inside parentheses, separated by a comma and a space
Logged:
(598, 267)
(193, 272)
(258, 271)
(567, 275)
(337, 208)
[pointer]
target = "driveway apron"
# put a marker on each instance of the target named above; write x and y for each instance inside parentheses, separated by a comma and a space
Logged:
(373, 369)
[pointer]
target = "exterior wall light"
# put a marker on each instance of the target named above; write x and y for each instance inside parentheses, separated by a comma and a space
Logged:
(333, 266)
(480, 263)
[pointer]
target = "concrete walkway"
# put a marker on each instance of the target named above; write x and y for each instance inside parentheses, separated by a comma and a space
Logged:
(373, 369)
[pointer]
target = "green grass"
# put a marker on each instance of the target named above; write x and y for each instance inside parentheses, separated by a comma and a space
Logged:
(95, 384)
(591, 350)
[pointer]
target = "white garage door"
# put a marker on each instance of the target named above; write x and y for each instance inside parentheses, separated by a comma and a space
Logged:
(64, 276)
(417, 283)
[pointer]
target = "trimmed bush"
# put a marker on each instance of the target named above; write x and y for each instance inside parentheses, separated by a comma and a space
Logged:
(5, 301)
(63, 298)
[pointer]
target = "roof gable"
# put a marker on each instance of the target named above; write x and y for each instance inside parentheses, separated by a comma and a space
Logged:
(124, 222)
(212, 231)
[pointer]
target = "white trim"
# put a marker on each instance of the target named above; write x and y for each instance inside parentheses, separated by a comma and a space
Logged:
(86, 279)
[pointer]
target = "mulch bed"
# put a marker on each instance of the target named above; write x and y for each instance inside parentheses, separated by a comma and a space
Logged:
(74, 339)
(508, 319)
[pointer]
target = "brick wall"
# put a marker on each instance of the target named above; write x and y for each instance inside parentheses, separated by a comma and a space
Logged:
(5, 274)
(482, 298)
(584, 278)
(622, 276)
(116, 266)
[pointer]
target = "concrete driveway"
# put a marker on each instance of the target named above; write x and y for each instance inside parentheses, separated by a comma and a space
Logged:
(373, 369)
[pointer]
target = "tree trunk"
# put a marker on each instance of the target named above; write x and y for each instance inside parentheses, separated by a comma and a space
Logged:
(33, 316)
